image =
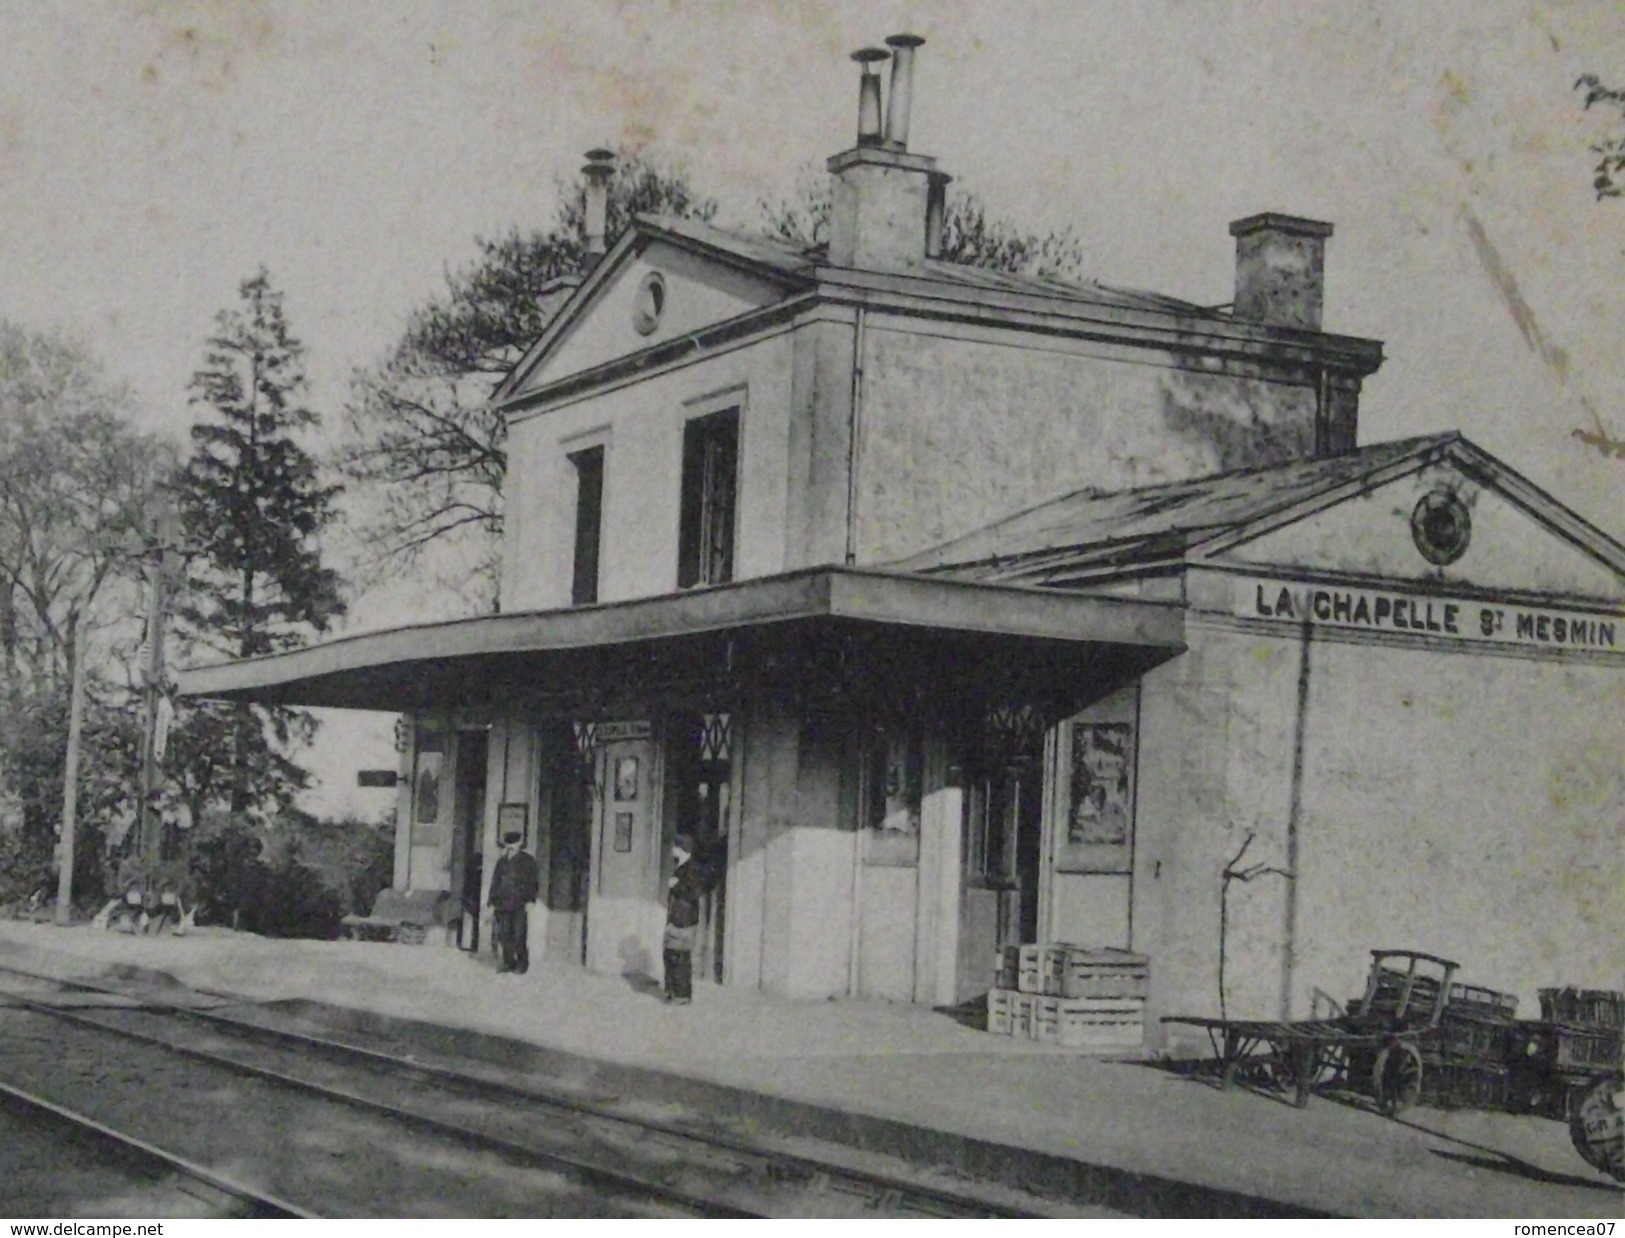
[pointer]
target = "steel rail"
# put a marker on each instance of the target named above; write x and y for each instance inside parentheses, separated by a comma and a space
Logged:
(884, 1189)
(591, 1174)
(262, 1204)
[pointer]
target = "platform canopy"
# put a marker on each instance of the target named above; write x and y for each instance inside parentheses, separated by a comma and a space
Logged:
(831, 629)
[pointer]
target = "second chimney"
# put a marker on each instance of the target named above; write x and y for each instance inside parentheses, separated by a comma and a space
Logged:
(1280, 270)
(879, 190)
(599, 168)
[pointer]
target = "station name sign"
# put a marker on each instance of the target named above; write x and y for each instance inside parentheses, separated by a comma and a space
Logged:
(1444, 618)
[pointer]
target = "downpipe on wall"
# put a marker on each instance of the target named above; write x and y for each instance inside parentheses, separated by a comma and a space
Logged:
(1300, 724)
(854, 433)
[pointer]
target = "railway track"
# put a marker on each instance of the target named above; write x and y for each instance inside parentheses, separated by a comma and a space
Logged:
(149, 1176)
(639, 1160)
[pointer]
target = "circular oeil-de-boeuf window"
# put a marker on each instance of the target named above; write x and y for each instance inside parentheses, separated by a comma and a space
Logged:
(650, 303)
(1441, 527)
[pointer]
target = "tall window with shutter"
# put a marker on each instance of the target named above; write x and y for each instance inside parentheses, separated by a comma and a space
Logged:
(705, 545)
(589, 467)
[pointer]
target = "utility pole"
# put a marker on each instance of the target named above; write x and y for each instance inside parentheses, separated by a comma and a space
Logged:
(70, 775)
(164, 565)
(152, 671)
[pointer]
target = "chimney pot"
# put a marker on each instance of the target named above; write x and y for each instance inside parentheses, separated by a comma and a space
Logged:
(1280, 270)
(600, 166)
(901, 97)
(869, 94)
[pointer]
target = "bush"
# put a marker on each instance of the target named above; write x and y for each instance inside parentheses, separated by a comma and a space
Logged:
(299, 878)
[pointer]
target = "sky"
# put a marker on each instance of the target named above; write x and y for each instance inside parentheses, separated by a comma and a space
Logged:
(153, 155)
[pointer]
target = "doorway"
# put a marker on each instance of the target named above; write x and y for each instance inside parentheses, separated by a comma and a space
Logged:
(569, 801)
(628, 905)
(468, 821)
(1001, 854)
(699, 763)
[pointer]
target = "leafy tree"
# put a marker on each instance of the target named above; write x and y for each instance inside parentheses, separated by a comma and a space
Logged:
(1608, 179)
(971, 236)
(252, 505)
(75, 481)
(420, 436)
(1610, 150)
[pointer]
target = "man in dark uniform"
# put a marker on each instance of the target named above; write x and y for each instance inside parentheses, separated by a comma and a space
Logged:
(514, 885)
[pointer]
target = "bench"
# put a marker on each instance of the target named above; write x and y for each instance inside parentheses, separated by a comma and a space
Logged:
(400, 915)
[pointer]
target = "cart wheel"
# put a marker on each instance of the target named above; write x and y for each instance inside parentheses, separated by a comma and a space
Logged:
(1397, 1077)
(1597, 1124)
(1296, 1072)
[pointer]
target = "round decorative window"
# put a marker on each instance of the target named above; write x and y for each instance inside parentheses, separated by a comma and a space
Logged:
(1441, 526)
(650, 303)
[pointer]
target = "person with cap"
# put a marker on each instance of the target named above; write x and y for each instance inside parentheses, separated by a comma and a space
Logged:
(514, 886)
(682, 922)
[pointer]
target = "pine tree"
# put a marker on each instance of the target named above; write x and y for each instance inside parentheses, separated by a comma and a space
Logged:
(253, 505)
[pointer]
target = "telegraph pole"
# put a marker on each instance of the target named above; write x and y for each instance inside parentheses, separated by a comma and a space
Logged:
(152, 670)
(163, 565)
(70, 776)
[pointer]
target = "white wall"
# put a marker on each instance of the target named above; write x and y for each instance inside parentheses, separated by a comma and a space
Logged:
(641, 427)
(961, 426)
(1468, 805)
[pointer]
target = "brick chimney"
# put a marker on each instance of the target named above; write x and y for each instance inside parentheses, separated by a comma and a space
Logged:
(879, 197)
(1280, 270)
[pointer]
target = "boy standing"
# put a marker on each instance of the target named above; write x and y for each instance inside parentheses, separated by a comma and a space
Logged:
(682, 920)
(514, 885)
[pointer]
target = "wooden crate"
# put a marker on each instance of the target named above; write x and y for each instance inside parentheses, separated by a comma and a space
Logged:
(1021, 1014)
(1462, 1085)
(1000, 1011)
(1046, 1019)
(1099, 1022)
(1587, 1007)
(1476, 999)
(1565, 1047)
(1472, 1035)
(1103, 973)
(1587, 1048)
(1040, 969)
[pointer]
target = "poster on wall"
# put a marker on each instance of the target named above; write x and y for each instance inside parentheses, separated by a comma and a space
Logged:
(626, 779)
(426, 796)
(623, 831)
(1102, 768)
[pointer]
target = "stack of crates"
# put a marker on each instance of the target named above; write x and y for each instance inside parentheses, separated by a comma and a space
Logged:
(1075, 996)
(1469, 1060)
(1577, 1038)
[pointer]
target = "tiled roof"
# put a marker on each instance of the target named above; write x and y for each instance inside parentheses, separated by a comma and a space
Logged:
(1091, 527)
(800, 263)
(780, 256)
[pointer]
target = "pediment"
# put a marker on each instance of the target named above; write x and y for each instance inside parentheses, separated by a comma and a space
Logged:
(1518, 540)
(645, 295)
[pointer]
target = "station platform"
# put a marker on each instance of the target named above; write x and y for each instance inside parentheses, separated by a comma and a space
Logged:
(909, 1081)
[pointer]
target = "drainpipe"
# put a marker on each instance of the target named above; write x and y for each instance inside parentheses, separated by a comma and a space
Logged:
(1294, 814)
(854, 431)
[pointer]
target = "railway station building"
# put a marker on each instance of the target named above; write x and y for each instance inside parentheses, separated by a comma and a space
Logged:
(948, 608)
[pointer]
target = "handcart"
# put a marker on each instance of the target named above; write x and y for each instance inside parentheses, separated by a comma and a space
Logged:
(1374, 1046)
